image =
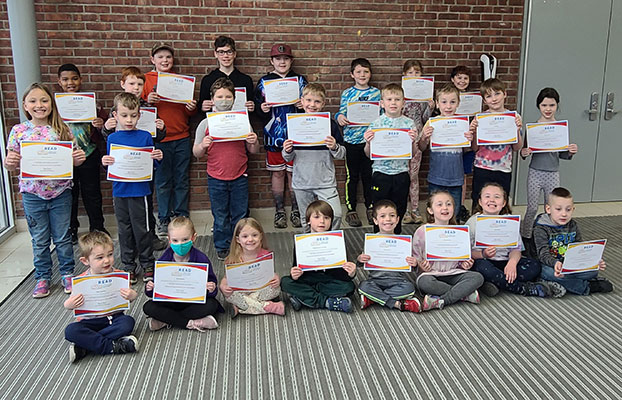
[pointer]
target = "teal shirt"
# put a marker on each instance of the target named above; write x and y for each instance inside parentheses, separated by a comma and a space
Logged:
(391, 167)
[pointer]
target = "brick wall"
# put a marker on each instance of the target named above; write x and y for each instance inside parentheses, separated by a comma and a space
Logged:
(102, 36)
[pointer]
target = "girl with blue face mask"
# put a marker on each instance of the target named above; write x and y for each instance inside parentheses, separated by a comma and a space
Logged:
(198, 316)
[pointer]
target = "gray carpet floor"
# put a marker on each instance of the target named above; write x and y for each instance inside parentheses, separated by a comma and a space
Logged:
(507, 347)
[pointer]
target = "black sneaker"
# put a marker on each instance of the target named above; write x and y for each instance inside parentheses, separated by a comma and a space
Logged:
(126, 344)
(158, 244)
(74, 235)
(536, 289)
(370, 216)
(600, 285)
(280, 220)
(295, 302)
(352, 219)
(222, 254)
(463, 214)
(555, 288)
(148, 275)
(295, 218)
(162, 230)
(489, 289)
(76, 353)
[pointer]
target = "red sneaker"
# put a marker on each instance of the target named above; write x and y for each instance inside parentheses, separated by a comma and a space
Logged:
(413, 305)
(365, 302)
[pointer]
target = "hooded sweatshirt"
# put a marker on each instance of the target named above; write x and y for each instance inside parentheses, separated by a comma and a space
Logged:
(551, 240)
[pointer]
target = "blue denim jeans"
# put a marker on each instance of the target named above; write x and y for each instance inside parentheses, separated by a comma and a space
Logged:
(574, 283)
(229, 200)
(49, 219)
(171, 179)
(454, 191)
(527, 270)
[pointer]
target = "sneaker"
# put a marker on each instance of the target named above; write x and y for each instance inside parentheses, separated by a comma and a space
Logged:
(42, 289)
(556, 289)
(432, 302)
(158, 244)
(408, 218)
(412, 305)
(203, 324)
(155, 325)
(365, 302)
(133, 278)
(148, 275)
(280, 220)
(463, 214)
(126, 344)
(536, 289)
(295, 218)
(66, 281)
(600, 285)
(339, 304)
(275, 307)
(352, 219)
(74, 235)
(295, 302)
(370, 216)
(162, 230)
(76, 353)
(222, 254)
(418, 218)
(472, 298)
(489, 289)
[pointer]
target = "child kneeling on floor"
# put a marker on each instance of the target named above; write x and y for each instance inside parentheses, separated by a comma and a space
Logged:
(181, 235)
(102, 334)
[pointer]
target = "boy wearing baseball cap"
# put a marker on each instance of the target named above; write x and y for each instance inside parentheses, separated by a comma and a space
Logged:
(274, 119)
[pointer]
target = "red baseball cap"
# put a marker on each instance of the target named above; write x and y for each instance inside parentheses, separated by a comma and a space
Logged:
(281, 50)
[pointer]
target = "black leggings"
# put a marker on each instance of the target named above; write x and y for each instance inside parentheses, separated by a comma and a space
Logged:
(178, 314)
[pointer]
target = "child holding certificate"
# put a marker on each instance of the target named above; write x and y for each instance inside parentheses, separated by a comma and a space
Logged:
(391, 289)
(357, 162)
(418, 112)
(502, 267)
(390, 179)
(493, 163)
(552, 233)
(227, 164)
(130, 197)
(273, 117)
(249, 245)
(103, 334)
(444, 282)
(197, 316)
(543, 175)
(327, 288)
(47, 202)
(446, 166)
(314, 170)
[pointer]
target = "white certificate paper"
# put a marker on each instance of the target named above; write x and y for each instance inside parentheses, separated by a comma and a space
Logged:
(228, 125)
(180, 282)
(362, 113)
(496, 128)
(323, 250)
(175, 88)
(76, 107)
(449, 132)
(252, 275)
(583, 256)
(497, 231)
(310, 129)
(46, 160)
(131, 164)
(470, 103)
(391, 144)
(283, 91)
(547, 136)
(146, 122)
(388, 252)
(418, 88)
(101, 293)
(240, 99)
(447, 243)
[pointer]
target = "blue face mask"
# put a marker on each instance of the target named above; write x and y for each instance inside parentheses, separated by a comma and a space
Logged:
(181, 249)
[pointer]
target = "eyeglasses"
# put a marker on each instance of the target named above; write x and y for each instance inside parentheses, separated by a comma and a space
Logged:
(224, 52)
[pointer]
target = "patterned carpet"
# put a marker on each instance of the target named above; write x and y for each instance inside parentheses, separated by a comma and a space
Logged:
(509, 347)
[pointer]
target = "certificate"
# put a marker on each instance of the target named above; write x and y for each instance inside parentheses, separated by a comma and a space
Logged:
(547, 136)
(362, 112)
(322, 250)
(583, 256)
(101, 293)
(228, 125)
(388, 252)
(240, 99)
(175, 88)
(418, 88)
(449, 132)
(252, 275)
(46, 160)
(180, 282)
(309, 129)
(131, 164)
(283, 91)
(447, 243)
(391, 144)
(496, 128)
(76, 107)
(497, 231)
(146, 122)
(470, 103)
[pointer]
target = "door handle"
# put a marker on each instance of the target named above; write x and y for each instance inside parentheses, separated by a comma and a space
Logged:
(593, 111)
(609, 111)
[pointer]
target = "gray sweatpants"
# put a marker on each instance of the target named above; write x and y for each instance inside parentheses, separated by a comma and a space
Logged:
(134, 239)
(537, 181)
(386, 290)
(451, 288)
(329, 195)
